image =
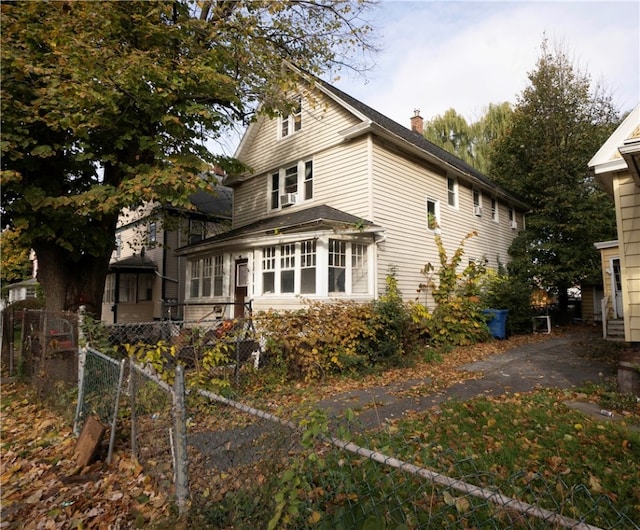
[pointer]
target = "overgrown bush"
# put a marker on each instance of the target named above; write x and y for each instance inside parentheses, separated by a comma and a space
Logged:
(498, 290)
(321, 339)
(337, 337)
(457, 319)
(393, 340)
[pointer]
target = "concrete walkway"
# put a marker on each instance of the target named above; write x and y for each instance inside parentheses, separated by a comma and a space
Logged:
(558, 362)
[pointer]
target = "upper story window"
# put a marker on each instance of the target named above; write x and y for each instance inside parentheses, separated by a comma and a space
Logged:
(118, 246)
(293, 122)
(153, 233)
(197, 230)
(512, 218)
(452, 192)
(433, 214)
(494, 209)
(477, 203)
(291, 185)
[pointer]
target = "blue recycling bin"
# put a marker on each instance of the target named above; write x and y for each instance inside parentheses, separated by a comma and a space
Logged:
(497, 322)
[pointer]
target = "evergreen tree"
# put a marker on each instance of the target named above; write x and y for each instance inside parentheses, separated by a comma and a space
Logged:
(559, 121)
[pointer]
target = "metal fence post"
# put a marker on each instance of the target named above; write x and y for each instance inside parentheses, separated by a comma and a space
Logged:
(112, 438)
(180, 426)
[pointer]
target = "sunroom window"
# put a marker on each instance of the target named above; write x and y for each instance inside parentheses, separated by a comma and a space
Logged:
(308, 267)
(287, 268)
(337, 265)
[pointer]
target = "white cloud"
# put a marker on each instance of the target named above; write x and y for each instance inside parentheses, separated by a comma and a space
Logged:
(465, 55)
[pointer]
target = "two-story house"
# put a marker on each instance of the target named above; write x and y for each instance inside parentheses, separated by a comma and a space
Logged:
(146, 280)
(336, 198)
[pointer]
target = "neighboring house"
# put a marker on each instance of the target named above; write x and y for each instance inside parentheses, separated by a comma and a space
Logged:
(146, 280)
(616, 166)
(25, 289)
(22, 290)
(338, 196)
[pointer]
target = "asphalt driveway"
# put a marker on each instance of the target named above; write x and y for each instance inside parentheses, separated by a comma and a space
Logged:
(558, 362)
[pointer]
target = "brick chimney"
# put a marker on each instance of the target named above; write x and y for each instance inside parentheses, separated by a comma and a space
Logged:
(417, 123)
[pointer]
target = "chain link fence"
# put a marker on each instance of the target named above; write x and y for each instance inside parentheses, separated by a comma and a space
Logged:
(43, 347)
(99, 390)
(241, 466)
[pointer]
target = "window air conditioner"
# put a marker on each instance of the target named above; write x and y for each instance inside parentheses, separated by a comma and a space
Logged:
(477, 210)
(514, 224)
(287, 199)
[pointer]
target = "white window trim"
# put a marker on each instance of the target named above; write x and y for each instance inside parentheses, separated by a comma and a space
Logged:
(290, 120)
(495, 212)
(300, 187)
(436, 204)
(477, 206)
(456, 197)
(322, 271)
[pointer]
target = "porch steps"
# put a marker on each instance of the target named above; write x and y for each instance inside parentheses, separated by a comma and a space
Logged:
(615, 330)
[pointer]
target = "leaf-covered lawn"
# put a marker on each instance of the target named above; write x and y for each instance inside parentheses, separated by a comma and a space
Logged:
(43, 488)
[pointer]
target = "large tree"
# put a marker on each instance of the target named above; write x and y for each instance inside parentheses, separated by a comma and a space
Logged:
(107, 105)
(559, 121)
(470, 142)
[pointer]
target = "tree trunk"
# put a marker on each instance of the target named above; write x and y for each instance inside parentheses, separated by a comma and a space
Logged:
(68, 283)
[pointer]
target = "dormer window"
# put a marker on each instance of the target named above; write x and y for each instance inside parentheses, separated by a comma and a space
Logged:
(293, 122)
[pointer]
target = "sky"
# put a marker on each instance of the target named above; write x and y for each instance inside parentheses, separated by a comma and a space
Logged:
(467, 54)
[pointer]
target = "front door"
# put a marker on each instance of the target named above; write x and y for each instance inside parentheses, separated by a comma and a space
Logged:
(240, 292)
(616, 287)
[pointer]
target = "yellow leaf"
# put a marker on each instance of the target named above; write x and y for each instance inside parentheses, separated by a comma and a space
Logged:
(594, 484)
(314, 518)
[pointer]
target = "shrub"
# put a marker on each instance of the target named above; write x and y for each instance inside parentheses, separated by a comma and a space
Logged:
(324, 338)
(499, 290)
(457, 318)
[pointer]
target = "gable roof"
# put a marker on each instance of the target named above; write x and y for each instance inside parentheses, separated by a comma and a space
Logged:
(208, 205)
(316, 217)
(619, 152)
(377, 123)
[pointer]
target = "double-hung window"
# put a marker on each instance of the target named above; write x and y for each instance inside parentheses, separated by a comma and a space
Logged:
(308, 267)
(337, 265)
(477, 203)
(452, 192)
(293, 122)
(269, 270)
(194, 282)
(494, 209)
(287, 268)
(206, 277)
(291, 179)
(218, 275)
(433, 214)
(359, 268)
(291, 185)
(127, 288)
(207, 274)
(153, 233)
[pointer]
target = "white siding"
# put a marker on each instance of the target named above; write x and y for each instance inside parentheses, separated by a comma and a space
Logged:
(267, 153)
(401, 189)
